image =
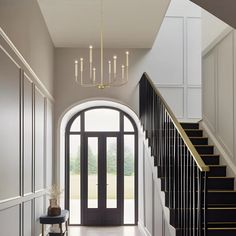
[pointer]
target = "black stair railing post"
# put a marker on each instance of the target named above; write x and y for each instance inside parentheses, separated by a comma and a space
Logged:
(205, 203)
(178, 180)
(193, 198)
(182, 185)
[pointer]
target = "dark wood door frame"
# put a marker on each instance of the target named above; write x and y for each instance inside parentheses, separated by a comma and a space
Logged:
(102, 215)
(121, 134)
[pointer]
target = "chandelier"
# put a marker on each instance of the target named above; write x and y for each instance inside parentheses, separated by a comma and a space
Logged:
(110, 76)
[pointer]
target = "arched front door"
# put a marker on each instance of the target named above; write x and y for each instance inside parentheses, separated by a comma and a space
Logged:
(101, 168)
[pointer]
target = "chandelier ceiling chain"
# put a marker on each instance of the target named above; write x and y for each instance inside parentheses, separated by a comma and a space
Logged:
(112, 80)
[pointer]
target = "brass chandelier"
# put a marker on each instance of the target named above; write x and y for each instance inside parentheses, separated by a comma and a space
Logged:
(89, 78)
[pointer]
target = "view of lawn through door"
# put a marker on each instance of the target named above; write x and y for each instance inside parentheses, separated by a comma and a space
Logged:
(102, 120)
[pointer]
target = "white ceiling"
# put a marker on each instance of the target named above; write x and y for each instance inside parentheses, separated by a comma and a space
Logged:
(127, 23)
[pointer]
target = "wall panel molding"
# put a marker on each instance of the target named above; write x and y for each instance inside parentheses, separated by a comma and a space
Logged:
(25, 160)
(10, 129)
(219, 92)
(25, 63)
(28, 101)
(184, 61)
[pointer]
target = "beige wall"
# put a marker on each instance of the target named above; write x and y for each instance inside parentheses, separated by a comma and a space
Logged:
(22, 21)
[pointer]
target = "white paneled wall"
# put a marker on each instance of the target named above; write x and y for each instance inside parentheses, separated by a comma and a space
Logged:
(153, 215)
(170, 56)
(178, 60)
(148, 192)
(25, 144)
(219, 93)
(10, 221)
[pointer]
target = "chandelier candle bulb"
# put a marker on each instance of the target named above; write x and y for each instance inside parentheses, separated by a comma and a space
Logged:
(94, 75)
(123, 72)
(81, 64)
(109, 71)
(127, 59)
(91, 54)
(114, 61)
(109, 67)
(76, 69)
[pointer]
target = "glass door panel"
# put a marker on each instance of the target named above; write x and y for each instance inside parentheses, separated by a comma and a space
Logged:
(102, 120)
(129, 179)
(101, 173)
(92, 166)
(111, 163)
(74, 155)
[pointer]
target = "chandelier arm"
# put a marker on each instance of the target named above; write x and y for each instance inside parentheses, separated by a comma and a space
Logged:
(117, 85)
(89, 85)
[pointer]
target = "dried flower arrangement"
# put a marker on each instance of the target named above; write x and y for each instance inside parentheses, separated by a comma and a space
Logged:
(54, 192)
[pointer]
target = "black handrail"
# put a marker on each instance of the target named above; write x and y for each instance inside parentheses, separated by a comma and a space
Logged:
(179, 165)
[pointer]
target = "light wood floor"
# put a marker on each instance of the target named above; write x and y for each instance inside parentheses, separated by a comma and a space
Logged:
(104, 231)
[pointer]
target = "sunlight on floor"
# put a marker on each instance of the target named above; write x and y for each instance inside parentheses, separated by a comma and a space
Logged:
(104, 231)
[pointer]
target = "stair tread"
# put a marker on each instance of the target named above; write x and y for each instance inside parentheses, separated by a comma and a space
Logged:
(197, 137)
(221, 228)
(193, 129)
(233, 191)
(211, 155)
(217, 165)
(219, 177)
(214, 208)
(203, 145)
(223, 223)
(215, 228)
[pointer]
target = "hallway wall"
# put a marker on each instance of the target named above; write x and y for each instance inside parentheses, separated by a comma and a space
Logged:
(26, 121)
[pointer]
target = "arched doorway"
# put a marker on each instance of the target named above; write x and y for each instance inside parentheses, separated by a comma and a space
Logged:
(101, 167)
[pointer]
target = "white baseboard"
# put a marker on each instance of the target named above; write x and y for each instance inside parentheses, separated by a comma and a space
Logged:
(143, 229)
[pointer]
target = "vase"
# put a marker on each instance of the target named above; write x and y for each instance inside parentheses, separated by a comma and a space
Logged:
(54, 209)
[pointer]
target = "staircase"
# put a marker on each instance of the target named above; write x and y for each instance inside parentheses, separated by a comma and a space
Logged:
(199, 195)
(221, 197)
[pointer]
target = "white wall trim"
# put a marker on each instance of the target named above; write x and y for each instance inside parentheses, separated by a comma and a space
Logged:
(143, 229)
(225, 158)
(157, 181)
(19, 55)
(217, 40)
